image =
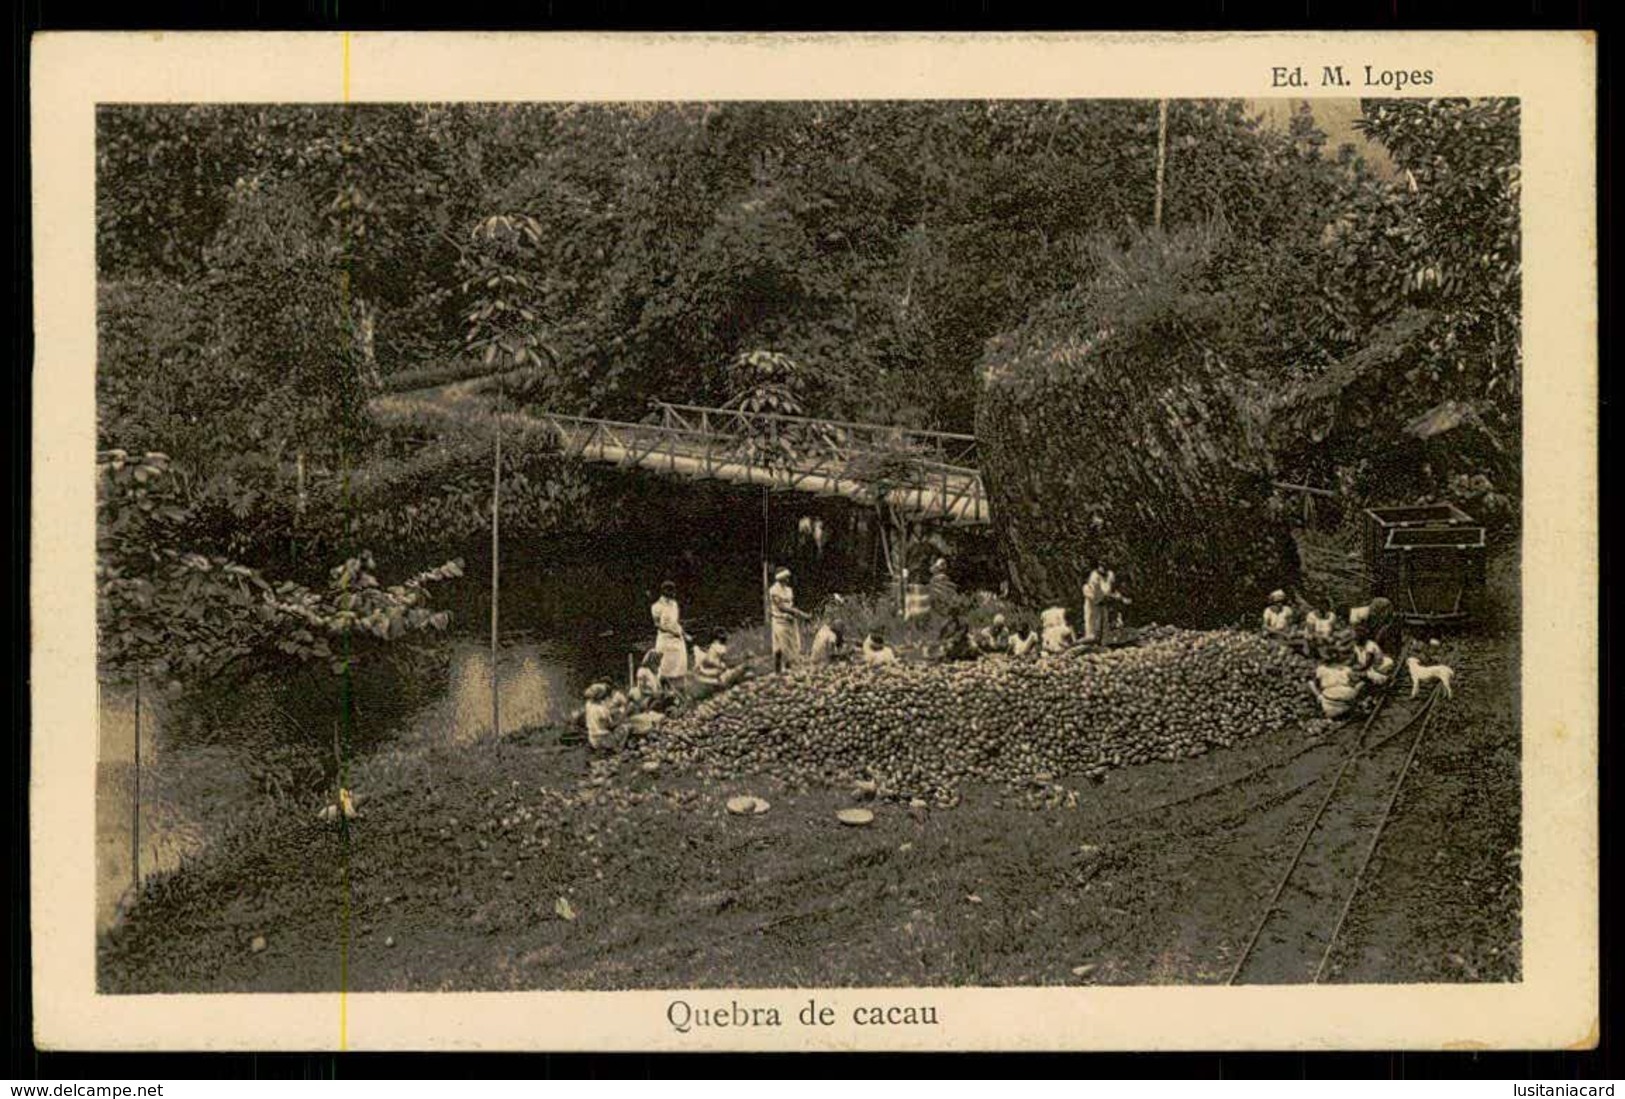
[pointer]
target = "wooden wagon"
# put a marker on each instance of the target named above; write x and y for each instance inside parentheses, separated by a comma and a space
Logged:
(1428, 560)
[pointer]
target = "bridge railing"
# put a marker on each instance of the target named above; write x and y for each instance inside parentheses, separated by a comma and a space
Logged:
(688, 440)
(699, 441)
(814, 434)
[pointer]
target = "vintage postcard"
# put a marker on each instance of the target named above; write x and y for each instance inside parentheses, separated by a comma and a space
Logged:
(695, 542)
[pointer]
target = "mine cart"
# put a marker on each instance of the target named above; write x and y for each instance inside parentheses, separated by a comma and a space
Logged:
(1428, 560)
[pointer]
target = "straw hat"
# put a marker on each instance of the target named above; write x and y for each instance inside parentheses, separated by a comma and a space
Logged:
(782, 574)
(1277, 596)
(595, 692)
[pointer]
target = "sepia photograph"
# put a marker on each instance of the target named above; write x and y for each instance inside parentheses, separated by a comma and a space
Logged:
(580, 546)
(732, 558)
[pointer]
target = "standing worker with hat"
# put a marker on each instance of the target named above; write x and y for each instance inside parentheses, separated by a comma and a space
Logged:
(1095, 592)
(785, 616)
(670, 640)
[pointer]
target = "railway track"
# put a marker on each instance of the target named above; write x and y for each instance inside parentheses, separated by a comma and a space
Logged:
(1297, 927)
(1361, 770)
(1278, 780)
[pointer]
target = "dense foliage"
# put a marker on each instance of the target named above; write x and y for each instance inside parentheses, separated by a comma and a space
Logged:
(877, 244)
(167, 611)
(1428, 278)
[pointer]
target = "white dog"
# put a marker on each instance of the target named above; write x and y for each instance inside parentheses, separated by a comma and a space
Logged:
(1421, 673)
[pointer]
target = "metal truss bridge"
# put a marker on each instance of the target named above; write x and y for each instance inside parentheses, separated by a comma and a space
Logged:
(930, 475)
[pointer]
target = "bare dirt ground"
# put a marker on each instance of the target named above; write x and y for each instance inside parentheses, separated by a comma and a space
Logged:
(513, 866)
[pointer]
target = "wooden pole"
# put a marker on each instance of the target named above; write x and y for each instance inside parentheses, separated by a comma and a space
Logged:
(902, 550)
(496, 570)
(767, 580)
(299, 499)
(135, 813)
(1162, 157)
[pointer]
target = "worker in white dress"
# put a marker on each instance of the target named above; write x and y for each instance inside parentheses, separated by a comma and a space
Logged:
(670, 640)
(785, 617)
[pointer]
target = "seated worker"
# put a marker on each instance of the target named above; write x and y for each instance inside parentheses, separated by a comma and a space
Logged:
(574, 729)
(1024, 641)
(620, 706)
(828, 644)
(711, 670)
(955, 641)
(1374, 621)
(1384, 626)
(628, 719)
(648, 691)
(1319, 627)
(1058, 636)
(1377, 665)
(876, 653)
(602, 732)
(1336, 689)
(1278, 615)
(994, 638)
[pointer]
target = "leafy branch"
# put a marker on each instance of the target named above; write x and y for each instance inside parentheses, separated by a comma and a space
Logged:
(167, 611)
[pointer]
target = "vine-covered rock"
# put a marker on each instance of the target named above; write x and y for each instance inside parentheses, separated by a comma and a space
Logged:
(1112, 429)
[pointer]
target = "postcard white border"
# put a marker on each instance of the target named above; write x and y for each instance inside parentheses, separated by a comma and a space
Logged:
(1552, 73)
